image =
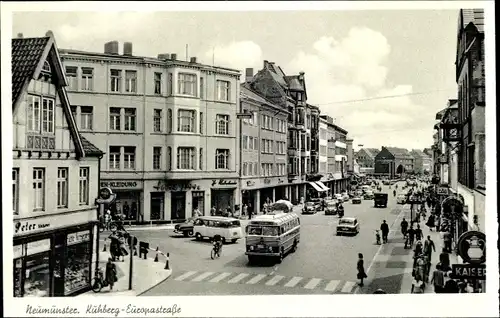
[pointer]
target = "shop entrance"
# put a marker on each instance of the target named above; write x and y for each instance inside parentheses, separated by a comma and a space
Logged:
(222, 199)
(178, 206)
(157, 206)
(199, 201)
(279, 193)
(128, 204)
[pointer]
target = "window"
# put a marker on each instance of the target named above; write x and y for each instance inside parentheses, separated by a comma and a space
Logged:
(245, 142)
(130, 119)
(201, 158)
(201, 123)
(47, 115)
(185, 120)
(156, 158)
(223, 90)
(222, 127)
(322, 134)
(322, 151)
(255, 169)
(86, 117)
(114, 158)
(131, 81)
(267, 169)
(157, 120)
(74, 111)
(46, 67)
(72, 76)
(202, 87)
(169, 121)
(84, 186)
(40, 120)
(114, 118)
(38, 189)
(244, 170)
(267, 146)
(170, 84)
(185, 158)
(116, 78)
(187, 84)
(87, 78)
(62, 187)
(15, 190)
(169, 158)
(158, 83)
(34, 114)
(222, 159)
(129, 158)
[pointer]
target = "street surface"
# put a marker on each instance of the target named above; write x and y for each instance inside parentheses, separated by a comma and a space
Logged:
(323, 263)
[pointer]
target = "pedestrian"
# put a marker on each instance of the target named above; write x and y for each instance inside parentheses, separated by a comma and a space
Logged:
(447, 241)
(384, 227)
(404, 226)
(418, 233)
(429, 247)
(417, 287)
(430, 222)
(196, 212)
(451, 287)
(411, 235)
(361, 269)
(213, 210)
(111, 276)
(438, 279)
(444, 260)
(245, 209)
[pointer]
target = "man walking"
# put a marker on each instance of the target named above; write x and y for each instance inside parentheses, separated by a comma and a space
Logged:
(404, 227)
(429, 247)
(418, 233)
(384, 228)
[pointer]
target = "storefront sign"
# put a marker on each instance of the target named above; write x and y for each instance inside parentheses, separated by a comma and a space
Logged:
(38, 247)
(121, 184)
(472, 247)
(54, 221)
(267, 181)
(106, 196)
(469, 271)
(224, 182)
(163, 186)
(442, 191)
(78, 237)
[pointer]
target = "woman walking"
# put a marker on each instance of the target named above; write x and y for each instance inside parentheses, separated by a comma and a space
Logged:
(361, 269)
(111, 277)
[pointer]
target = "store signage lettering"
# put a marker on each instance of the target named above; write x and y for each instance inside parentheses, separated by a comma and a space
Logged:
(223, 182)
(469, 271)
(25, 226)
(267, 181)
(75, 238)
(442, 191)
(162, 186)
(119, 184)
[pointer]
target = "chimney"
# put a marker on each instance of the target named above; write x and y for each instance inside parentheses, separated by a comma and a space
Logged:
(265, 63)
(192, 60)
(127, 48)
(49, 33)
(248, 75)
(164, 56)
(111, 47)
(20, 36)
(301, 76)
(173, 56)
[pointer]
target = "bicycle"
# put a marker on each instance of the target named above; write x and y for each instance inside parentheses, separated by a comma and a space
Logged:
(98, 282)
(216, 250)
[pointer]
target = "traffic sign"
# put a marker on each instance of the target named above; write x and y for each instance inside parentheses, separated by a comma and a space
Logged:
(442, 191)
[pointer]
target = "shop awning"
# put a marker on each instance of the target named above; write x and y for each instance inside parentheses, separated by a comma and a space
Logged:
(316, 187)
(322, 186)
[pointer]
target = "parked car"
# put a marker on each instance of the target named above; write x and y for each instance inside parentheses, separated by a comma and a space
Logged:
(401, 199)
(348, 225)
(356, 200)
(185, 228)
(386, 182)
(331, 207)
(381, 199)
(368, 195)
(311, 207)
(338, 197)
(345, 197)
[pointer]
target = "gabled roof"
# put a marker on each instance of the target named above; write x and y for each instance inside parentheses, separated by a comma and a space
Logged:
(475, 16)
(28, 58)
(371, 152)
(247, 92)
(400, 152)
(419, 153)
(294, 83)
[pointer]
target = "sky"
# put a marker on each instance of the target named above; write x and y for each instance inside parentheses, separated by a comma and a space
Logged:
(347, 56)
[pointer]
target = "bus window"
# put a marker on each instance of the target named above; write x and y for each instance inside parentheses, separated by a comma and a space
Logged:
(270, 231)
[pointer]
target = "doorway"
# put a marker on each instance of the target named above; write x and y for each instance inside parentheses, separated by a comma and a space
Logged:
(178, 207)
(157, 205)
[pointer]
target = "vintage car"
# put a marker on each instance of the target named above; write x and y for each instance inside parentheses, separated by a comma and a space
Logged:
(345, 197)
(368, 195)
(356, 200)
(185, 228)
(338, 197)
(348, 225)
(401, 199)
(311, 207)
(380, 200)
(331, 207)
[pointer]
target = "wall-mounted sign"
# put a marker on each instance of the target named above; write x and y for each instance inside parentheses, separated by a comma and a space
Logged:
(106, 196)
(472, 247)
(267, 181)
(163, 186)
(224, 182)
(121, 184)
(250, 183)
(442, 190)
(78, 237)
(469, 271)
(53, 221)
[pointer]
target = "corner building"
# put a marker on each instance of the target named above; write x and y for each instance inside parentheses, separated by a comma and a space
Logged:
(168, 126)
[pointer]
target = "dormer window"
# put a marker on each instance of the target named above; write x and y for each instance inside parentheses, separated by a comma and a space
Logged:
(46, 67)
(46, 72)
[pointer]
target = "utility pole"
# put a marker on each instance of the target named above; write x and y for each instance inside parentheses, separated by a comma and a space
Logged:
(131, 272)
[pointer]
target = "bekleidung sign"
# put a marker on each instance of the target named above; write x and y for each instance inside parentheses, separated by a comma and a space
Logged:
(53, 221)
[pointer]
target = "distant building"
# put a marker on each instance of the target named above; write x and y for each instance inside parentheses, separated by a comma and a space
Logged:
(422, 161)
(392, 161)
(366, 157)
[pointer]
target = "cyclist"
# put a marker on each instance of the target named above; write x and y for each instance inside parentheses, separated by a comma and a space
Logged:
(217, 242)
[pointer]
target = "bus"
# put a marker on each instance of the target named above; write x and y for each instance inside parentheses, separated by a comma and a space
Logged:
(272, 236)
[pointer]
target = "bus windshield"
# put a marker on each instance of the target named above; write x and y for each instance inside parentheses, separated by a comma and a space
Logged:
(263, 230)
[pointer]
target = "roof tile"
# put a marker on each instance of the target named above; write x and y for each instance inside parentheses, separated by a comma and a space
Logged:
(26, 54)
(89, 148)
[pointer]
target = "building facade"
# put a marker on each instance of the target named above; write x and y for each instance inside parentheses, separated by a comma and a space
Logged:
(290, 93)
(366, 160)
(422, 162)
(169, 129)
(55, 179)
(385, 163)
(264, 152)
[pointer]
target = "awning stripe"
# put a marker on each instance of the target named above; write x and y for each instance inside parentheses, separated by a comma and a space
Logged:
(322, 186)
(316, 187)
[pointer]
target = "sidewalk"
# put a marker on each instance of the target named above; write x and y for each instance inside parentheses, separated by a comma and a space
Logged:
(146, 275)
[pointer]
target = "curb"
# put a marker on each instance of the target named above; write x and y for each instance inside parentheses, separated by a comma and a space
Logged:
(149, 288)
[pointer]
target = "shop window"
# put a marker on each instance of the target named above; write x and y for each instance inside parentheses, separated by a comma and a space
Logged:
(36, 269)
(157, 205)
(77, 270)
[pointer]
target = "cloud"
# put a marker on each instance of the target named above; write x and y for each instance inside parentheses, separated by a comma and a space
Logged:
(237, 55)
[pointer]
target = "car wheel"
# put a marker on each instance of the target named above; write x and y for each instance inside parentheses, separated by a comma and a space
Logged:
(190, 233)
(199, 237)
(234, 240)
